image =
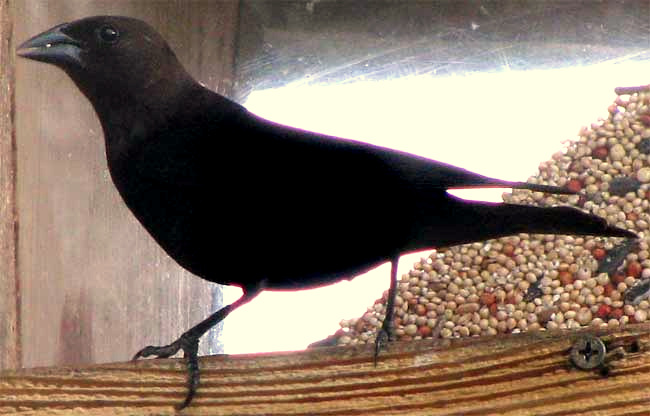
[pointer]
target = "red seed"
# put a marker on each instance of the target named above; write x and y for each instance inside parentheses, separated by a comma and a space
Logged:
(616, 313)
(420, 309)
(600, 152)
(566, 277)
(508, 249)
(609, 288)
(493, 309)
(632, 216)
(424, 331)
(599, 253)
(618, 277)
(487, 298)
(603, 311)
(634, 269)
(645, 119)
(574, 185)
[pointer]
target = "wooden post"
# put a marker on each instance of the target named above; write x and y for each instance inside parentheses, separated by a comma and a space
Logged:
(520, 374)
(95, 287)
(9, 299)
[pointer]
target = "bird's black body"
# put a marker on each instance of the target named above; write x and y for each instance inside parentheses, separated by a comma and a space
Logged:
(211, 181)
(237, 182)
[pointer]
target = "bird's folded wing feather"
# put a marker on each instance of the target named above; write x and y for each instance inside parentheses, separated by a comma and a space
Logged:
(216, 142)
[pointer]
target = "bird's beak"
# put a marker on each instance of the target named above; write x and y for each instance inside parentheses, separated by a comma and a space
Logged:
(53, 46)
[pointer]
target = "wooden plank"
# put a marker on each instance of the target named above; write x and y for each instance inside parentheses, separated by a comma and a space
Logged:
(95, 286)
(9, 296)
(521, 374)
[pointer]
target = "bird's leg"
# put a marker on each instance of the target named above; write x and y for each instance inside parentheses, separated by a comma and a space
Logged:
(189, 343)
(385, 334)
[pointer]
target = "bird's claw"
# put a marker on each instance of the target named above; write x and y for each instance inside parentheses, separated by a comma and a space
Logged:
(382, 340)
(191, 354)
(190, 346)
(165, 351)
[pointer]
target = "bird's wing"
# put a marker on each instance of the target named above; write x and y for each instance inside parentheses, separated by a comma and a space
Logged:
(431, 174)
(415, 171)
(207, 144)
(220, 138)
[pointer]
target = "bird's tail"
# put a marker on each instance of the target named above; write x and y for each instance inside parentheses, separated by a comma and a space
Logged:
(469, 221)
(550, 220)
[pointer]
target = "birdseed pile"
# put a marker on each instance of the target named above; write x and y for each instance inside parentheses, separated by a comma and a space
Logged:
(535, 282)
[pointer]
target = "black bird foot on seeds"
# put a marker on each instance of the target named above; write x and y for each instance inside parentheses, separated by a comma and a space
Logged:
(384, 336)
(190, 346)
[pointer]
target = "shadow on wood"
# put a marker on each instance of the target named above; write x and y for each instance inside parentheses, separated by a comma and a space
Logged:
(522, 374)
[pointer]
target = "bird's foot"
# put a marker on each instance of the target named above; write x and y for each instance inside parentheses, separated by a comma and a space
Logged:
(384, 336)
(190, 346)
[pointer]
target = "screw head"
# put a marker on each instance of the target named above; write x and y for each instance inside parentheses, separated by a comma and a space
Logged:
(588, 352)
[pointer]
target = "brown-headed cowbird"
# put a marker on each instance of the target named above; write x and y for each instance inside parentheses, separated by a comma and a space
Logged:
(209, 180)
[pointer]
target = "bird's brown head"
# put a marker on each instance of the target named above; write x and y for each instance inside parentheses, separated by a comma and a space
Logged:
(107, 56)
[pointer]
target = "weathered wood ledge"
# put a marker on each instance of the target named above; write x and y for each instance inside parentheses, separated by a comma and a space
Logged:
(521, 374)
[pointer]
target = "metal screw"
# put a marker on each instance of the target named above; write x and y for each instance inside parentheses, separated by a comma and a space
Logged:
(588, 352)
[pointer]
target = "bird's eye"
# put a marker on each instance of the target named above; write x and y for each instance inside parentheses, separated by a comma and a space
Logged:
(108, 34)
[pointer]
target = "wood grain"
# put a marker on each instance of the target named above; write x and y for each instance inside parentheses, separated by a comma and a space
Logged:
(522, 374)
(9, 295)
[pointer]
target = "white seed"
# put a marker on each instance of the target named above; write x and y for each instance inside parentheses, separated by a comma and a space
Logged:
(572, 324)
(602, 279)
(641, 315)
(584, 316)
(583, 273)
(643, 175)
(410, 329)
(617, 152)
